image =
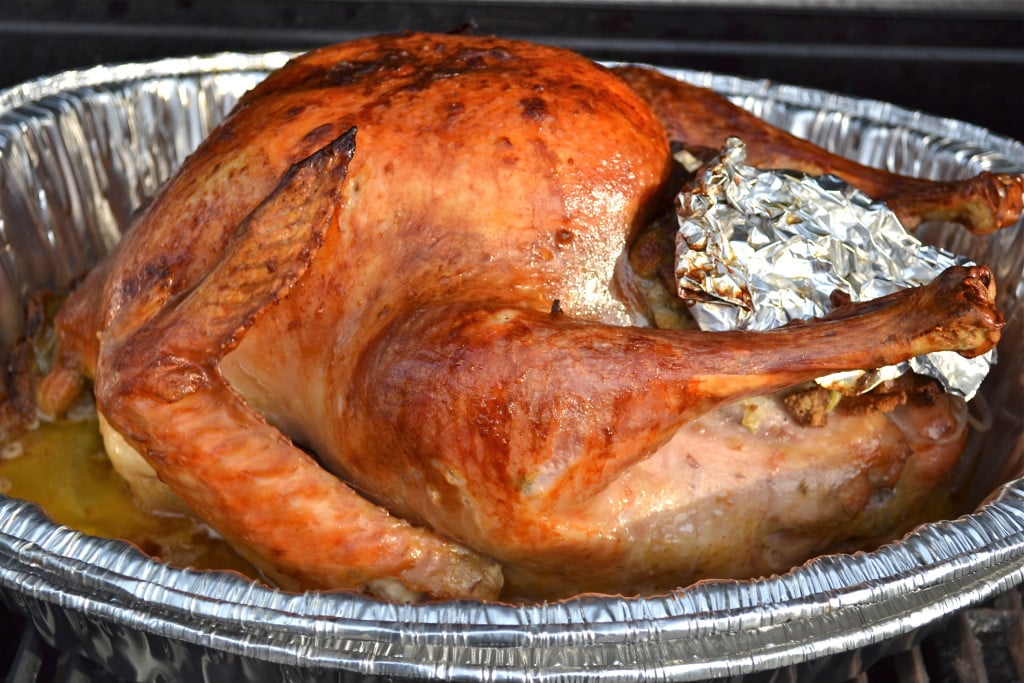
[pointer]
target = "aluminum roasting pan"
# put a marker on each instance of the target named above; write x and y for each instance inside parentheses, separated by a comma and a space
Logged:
(80, 150)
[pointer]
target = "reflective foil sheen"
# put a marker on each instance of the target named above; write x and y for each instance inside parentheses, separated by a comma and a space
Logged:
(79, 151)
(758, 249)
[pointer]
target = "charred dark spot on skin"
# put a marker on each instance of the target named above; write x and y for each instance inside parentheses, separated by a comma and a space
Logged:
(461, 63)
(293, 111)
(353, 72)
(563, 237)
(480, 59)
(534, 108)
(320, 136)
(454, 109)
(496, 54)
(226, 133)
(152, 273)
(408, 71)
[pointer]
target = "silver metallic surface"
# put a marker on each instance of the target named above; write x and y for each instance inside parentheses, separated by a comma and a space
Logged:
(757, 249)
(79, 151)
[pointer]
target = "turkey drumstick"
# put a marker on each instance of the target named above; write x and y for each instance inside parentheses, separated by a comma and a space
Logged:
(699, 118)
(569, 404)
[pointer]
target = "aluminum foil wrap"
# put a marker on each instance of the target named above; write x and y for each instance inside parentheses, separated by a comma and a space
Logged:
(78, 151)
(758, 249)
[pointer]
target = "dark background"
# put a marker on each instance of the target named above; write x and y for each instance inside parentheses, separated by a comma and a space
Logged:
(958, 58)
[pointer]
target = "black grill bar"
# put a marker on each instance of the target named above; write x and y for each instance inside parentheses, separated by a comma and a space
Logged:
(27, 665)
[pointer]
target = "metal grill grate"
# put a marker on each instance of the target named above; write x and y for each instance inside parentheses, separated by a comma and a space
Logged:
(983, 644)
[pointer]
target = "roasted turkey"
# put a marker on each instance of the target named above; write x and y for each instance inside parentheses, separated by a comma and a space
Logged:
(385, 331)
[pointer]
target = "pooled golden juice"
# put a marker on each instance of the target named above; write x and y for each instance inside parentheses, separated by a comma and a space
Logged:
(62, 466)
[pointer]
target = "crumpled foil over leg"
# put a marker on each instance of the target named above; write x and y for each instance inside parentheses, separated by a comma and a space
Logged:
(757, 249)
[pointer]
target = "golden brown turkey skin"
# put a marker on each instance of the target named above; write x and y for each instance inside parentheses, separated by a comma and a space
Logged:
(408, 254)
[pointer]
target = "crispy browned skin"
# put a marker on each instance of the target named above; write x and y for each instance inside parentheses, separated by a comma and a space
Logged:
(389, 305)
(700, 119)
